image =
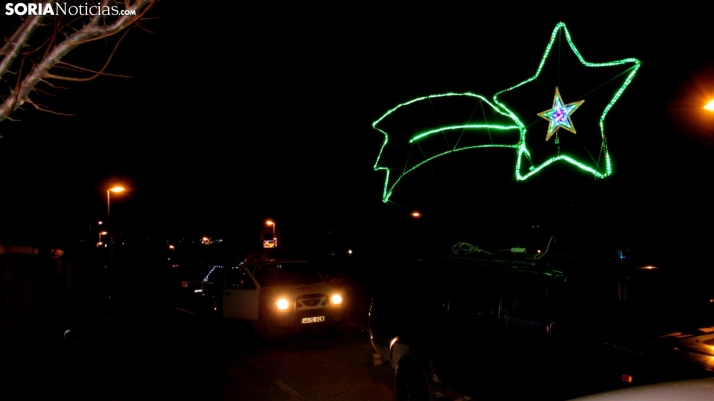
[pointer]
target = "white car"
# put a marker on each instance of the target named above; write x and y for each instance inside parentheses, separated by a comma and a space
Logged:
(686, 390)
(278, 295)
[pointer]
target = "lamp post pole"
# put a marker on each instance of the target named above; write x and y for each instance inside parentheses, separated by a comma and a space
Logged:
(115, 189)
(272, 223)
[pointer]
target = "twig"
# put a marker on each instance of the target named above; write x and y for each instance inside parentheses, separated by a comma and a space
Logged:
(93, 30)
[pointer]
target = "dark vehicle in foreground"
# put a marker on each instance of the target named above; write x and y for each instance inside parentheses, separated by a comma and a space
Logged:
(277, 295)
(505, 325)
(684, 390)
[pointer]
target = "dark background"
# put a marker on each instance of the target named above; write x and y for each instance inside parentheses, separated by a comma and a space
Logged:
(232, 116)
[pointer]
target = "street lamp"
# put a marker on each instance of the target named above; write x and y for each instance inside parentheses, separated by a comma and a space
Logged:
(115, 189)
(271, 223)
(416, 215)
(709, 106)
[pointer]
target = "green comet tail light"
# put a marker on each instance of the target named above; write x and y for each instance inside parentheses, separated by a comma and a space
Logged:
(495, 123)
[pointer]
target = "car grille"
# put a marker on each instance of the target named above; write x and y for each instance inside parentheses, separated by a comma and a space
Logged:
(311, 301)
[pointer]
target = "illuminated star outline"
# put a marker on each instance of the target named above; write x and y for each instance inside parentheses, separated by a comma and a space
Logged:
(559, 115)
(522, 149)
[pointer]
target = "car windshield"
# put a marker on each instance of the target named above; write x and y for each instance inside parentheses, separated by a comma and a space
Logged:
(294, 273)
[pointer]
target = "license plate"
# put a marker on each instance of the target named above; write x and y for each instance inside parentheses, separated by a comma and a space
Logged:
(314, 319)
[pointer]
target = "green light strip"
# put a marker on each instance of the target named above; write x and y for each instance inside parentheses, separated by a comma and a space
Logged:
(551, 161)
(388, 192)
(463, 127)
(388, 188)
(468, 94)
(608, 163)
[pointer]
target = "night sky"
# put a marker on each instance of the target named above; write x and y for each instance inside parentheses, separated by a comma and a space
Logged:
(232, 117)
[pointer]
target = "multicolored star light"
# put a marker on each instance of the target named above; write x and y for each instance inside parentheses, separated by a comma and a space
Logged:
(559, 115)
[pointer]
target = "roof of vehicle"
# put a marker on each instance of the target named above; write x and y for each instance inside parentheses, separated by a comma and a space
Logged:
(686, 390)
(499, 261)
(278, 261)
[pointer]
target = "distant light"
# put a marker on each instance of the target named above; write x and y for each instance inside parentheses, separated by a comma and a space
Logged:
(100, 223)
(709, 106)
(349, 252)
(626, 378)
(103, 233)
(117, 189)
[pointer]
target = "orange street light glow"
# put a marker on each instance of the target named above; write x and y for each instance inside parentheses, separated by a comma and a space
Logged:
(117, 189)
(710, 106)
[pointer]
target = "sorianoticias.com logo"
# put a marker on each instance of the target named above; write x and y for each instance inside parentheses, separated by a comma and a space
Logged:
(63, 9)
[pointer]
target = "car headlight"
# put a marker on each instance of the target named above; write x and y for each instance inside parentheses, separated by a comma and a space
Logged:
(336, 299)
(282, 304)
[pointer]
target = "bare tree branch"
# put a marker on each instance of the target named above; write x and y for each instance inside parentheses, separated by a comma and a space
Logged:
(18, 40)
(76, 68)
(97, 73)
(76, 32)
(41, 108)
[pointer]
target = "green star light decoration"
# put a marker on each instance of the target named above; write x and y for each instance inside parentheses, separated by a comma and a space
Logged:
(498, 126)
(600, 167)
